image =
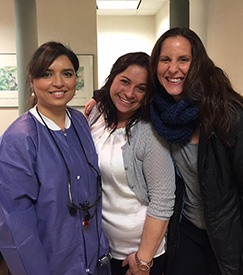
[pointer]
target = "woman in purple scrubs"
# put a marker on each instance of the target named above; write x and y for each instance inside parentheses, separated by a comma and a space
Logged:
(50, 197)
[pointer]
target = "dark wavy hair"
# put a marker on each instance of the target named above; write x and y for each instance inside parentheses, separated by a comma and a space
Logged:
(205, 84)
(43, 57)
(106, 105)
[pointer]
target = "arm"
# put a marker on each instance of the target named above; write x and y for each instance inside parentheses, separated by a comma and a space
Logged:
(159, 175)
(19, 240)
(91, 103)
(89, 106)
(153, 233)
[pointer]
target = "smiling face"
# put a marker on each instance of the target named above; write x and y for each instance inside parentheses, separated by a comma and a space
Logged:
(127, 91)
(174, 63)
(57, 86)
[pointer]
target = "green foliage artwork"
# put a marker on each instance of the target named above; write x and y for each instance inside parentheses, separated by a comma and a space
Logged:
(80, 83)
(8, 78)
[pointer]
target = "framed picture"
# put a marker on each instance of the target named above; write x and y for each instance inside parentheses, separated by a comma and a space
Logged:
(85, 84)
(9, 80)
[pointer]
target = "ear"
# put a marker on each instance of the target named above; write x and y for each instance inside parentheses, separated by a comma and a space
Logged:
(32, 88)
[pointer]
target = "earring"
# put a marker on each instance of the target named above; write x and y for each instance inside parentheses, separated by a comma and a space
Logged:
(32, 91)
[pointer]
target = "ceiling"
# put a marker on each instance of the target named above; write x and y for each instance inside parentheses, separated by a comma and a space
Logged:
(147, 7)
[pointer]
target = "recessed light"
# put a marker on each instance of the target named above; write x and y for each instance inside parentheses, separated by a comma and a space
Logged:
(118, 5)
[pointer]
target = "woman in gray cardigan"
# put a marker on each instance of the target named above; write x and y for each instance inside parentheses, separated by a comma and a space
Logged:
(138, 177)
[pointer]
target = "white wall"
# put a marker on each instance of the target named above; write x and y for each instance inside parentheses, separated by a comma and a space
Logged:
(219, 24)
(7, 30)
(162, 20)
(73, 22)
(118, 35)
(198, 18)
(225, 38)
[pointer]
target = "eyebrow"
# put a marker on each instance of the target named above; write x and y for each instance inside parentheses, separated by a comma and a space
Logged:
(69, 69)
(64, 70)
(183, 55)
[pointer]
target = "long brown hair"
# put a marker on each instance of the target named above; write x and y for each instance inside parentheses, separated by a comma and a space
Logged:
(205, 84)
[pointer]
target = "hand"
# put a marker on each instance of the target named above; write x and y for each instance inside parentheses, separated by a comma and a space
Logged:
(133, 267)
(89, 106)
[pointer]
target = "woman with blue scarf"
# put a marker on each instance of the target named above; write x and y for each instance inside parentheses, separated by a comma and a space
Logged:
(195, 108)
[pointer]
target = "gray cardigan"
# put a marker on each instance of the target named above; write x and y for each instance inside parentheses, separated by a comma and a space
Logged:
(149, 168)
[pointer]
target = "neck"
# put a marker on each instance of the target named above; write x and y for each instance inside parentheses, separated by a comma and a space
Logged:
(121, 124)
(123, 120)
(58, 116)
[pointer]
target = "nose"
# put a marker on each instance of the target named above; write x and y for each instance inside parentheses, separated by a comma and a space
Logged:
(173, 67)
(57, 81)
(129, 93)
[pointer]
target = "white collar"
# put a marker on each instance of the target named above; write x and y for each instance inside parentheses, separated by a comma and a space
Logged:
(50, 124)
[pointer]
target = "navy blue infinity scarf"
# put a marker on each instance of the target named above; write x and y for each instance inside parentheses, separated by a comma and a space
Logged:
(173, 121)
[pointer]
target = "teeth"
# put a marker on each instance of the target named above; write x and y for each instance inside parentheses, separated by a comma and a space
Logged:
(125, 101)
(175, 80)
(58, 93)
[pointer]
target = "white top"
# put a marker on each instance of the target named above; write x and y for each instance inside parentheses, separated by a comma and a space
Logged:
(123, 214)
(51, 125)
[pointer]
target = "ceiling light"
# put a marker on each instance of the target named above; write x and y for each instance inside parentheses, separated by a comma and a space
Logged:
(118, 5)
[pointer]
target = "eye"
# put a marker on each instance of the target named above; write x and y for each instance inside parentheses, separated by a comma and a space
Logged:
(184, 59)
(68, 73)
(142, 89)
(47, 74)
(124, 81)
(164, 59)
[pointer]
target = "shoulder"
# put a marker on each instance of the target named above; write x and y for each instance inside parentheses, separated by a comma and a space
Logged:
(141, 128)
(145, 132)
(78, 115)
(23, 126)
(21, 134)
